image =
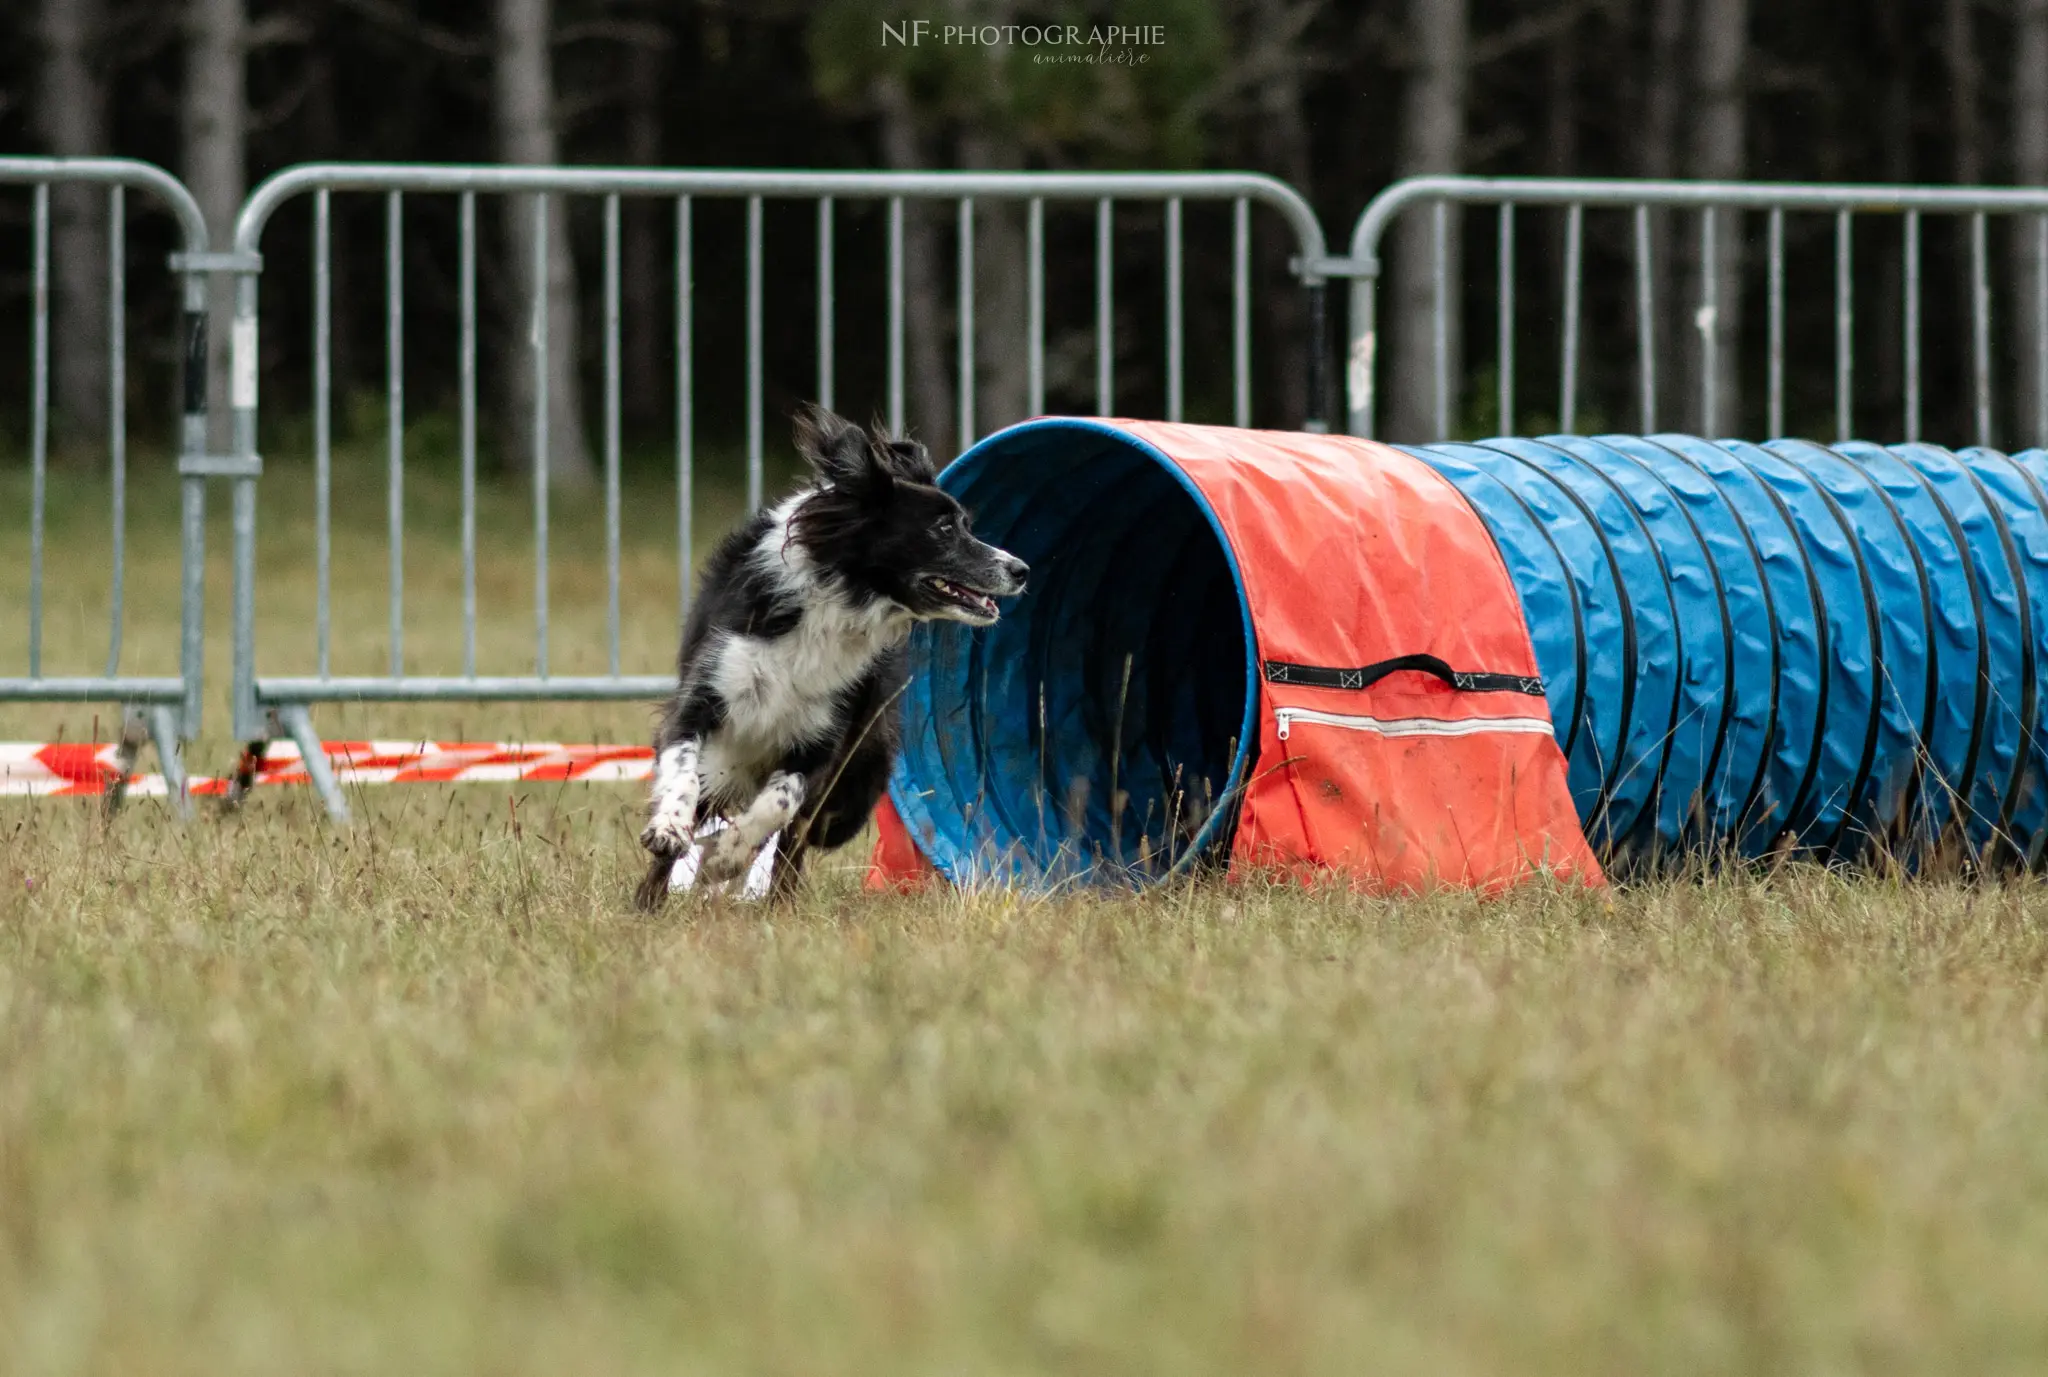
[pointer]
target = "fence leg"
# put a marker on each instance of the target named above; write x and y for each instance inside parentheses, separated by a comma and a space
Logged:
(164, 730)
(298, 724)
(134, 729)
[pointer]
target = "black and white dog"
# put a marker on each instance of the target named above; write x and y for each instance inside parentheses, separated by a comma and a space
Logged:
(785, 715)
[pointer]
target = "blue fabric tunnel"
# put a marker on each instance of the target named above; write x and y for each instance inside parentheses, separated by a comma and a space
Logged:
(1836, 651)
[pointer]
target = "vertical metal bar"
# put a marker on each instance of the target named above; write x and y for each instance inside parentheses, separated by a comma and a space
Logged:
(244, 374)
(1035, 293)
(1241, 312)
(1845, 330)
(1709, 326)
(1646, 324)
(756, 399)
(465, 367)
(1175, 381)
(1980, 327)
(394, 416)
(323, 426)
(117, 412)
(1505, 344)
(1775, 310)
(539, 345)
(964, 333)
(1440, 323)
(686, 458)
(1105, 306)
(1912, 327)
(1574, 259)
(2040, 436)
(896, 315)
(39, 426)
(825, 303)
(611, 430)
(1361, 386)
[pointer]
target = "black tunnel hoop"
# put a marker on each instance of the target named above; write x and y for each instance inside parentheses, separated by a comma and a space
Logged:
(994, 786)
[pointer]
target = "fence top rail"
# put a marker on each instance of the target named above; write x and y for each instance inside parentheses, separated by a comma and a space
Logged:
(1864, 199)
(130, 172)
(1153, 186)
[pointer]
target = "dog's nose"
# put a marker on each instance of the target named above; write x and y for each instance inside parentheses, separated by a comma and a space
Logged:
(1017, 569)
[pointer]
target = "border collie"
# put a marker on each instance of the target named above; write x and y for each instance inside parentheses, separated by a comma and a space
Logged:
(784, 718)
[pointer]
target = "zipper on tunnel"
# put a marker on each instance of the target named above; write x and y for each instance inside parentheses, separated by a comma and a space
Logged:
(1285, 718)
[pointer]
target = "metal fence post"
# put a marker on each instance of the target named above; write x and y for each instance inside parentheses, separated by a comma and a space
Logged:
(1711, 199)
(162, 708)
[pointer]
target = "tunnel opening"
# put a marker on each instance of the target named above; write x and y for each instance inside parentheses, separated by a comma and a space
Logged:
(1102, 729)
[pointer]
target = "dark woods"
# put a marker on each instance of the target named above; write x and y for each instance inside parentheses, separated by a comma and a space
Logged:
(1336, 98)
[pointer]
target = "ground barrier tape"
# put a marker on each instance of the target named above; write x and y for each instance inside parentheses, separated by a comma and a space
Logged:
(89, 769)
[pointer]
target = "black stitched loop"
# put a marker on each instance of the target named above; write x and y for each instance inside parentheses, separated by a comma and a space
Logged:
(2029, 706)
(1653, 799)
(1365, 676)
(1755, 791)
(2010, 548)
(1913, 808)
(1967, 559)
(1824, 645)
(1875, 627)
(1604, 801)
(1713, 759)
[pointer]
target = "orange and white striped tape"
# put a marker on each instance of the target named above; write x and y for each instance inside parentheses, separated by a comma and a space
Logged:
(88, 769)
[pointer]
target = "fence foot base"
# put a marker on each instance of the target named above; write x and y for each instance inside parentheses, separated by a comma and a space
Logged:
(298, 724)
(157, 724)
(170, 754)
(134, 730)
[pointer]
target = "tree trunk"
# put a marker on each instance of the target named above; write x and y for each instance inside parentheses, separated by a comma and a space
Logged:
(1282, 149)
(1669, 82)
(1718, 154)
(71, 111)
(646, 374)
(524, 116)
(1432, 140)
(928, 385)
(1888, 353)
(2030, 168)
(323, 140)
(1966, 77)
(216, 118)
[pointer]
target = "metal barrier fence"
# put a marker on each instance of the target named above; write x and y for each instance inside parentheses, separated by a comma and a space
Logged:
(266, 706)
(163, 708)
(168, 708)
(1711, 199)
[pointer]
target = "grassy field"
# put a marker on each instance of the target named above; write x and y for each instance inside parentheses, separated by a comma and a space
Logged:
(426, 1097)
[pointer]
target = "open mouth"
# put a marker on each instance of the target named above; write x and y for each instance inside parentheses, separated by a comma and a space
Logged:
(967, 599)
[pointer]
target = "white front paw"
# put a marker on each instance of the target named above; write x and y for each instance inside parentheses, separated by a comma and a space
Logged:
(667, 833)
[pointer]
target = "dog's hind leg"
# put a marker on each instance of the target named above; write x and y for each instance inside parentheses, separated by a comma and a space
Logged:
(672, 803)
(729, 852)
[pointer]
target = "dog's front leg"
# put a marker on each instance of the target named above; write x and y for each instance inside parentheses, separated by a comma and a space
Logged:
(728, 853)
(672, 803)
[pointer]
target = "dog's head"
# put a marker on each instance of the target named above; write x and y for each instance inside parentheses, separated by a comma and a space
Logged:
(879, 522)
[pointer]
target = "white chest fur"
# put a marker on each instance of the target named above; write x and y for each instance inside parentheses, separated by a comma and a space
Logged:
(783, 692)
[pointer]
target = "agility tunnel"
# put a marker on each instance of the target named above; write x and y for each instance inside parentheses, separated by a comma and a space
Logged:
(1469, 663)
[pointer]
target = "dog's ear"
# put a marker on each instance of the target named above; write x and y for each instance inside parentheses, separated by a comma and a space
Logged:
(835, 448)
(907, 459)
